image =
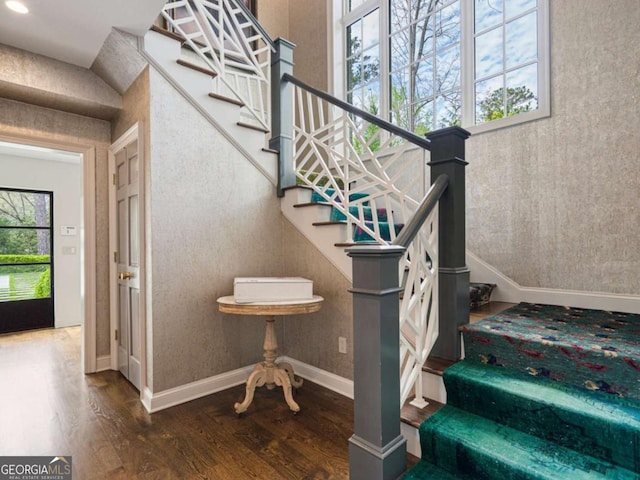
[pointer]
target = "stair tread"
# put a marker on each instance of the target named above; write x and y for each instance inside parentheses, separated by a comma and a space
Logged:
(196, 67)
(167, 33)
(595, 423)
(252, 127)
(590, 349)
(473, 445)
(222, 98)
(414, 416)
(312, 204)
(437, 365)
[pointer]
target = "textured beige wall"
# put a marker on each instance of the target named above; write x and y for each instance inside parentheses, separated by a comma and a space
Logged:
(32, 78)
(213, 217)
(274, 17)
(305, 24)
(308, 30)
(119, 63)
(313, 338)
(554, 203)
(21, 119)
(135, 107)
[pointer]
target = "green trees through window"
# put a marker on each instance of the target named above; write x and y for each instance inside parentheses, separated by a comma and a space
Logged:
(25, 245)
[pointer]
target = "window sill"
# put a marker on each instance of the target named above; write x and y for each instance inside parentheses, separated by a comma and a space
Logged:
(509, 121)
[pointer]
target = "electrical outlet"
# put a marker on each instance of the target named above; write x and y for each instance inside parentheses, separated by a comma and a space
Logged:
(342, 345)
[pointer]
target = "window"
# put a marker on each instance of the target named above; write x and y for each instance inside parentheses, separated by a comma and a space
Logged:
(428, 64)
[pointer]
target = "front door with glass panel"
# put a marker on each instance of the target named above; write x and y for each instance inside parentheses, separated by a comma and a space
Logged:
(26, 266)
(128, 260)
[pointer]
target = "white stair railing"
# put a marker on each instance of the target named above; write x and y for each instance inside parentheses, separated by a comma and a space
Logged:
(229, 40)
(374, 174)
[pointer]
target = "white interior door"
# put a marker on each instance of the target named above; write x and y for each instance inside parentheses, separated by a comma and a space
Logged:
(127, 260)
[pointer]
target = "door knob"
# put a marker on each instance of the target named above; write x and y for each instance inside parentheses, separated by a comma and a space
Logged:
(125, 275)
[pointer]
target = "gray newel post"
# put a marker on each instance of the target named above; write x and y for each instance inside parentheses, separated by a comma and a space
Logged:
(447, 157)
(377, 450)
(282, 113)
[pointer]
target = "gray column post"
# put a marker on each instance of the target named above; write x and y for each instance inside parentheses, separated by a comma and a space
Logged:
(447, 156)
(377, 450)
(282, 113)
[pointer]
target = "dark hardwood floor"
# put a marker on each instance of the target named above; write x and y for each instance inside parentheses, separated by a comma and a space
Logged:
(48, 407)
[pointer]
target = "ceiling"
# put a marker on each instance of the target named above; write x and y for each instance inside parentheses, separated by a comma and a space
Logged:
(74, 30)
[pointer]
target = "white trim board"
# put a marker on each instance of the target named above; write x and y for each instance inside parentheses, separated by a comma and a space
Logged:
(103, 363)
(329, 380)
(154, 402)
(508, 290)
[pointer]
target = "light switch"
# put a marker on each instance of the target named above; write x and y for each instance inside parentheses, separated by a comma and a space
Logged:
(68, 250)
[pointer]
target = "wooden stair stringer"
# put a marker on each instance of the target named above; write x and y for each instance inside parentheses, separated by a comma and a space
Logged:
(162, 52)
(323, 237)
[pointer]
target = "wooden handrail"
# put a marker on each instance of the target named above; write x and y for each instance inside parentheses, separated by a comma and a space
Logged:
(428, 203)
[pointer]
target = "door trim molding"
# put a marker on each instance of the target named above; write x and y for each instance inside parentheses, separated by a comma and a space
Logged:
(133, 133)
(88, 245)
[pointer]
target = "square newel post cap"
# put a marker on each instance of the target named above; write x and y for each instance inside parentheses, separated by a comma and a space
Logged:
(284, 51)
(447, 144)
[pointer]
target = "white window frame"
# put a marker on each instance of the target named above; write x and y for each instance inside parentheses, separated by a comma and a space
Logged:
(340, 19)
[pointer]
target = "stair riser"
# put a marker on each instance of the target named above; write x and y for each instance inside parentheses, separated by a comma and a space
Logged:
(433, 387)
(581, 421)
(480, 449)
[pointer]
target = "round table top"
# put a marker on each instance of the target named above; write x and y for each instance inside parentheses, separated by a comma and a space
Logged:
(283, 307)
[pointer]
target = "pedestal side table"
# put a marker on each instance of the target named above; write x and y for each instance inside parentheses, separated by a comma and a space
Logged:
(270, 373)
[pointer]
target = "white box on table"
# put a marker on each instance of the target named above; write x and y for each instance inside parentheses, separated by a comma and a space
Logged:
(271, 289)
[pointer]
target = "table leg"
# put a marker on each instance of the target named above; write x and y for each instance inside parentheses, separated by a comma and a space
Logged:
(271, 374)
(295, 382)
(256, 379)
(282, 379)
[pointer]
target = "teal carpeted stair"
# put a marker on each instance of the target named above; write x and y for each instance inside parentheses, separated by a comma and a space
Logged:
(514, 411)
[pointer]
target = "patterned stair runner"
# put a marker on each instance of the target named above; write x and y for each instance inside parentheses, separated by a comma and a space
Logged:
(544, 393)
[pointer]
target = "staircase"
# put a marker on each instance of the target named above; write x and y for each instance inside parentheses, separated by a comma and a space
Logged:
(545, 392)
(531, 400)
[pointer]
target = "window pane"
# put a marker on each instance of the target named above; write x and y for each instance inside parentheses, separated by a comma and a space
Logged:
(400, 89)
(25, 283)
(516, 7)
(448, 110)
(423, 34)
(448, 69)
(371, 65)
(424, 79)
(24, 208)
(522, 40)
(490, 99)
(448, 25)
(370, 30)
(423, 117)
(372, 98)
(399, 50)
(489, 53)
(522, 90)
(354, 38)
(488, 14)
(400, 17)
(21, 241)
(400, 116)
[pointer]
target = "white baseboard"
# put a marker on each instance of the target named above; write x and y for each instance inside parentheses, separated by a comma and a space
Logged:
(508, 290)
(329, 380)
(103, 363)
(154, 402)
